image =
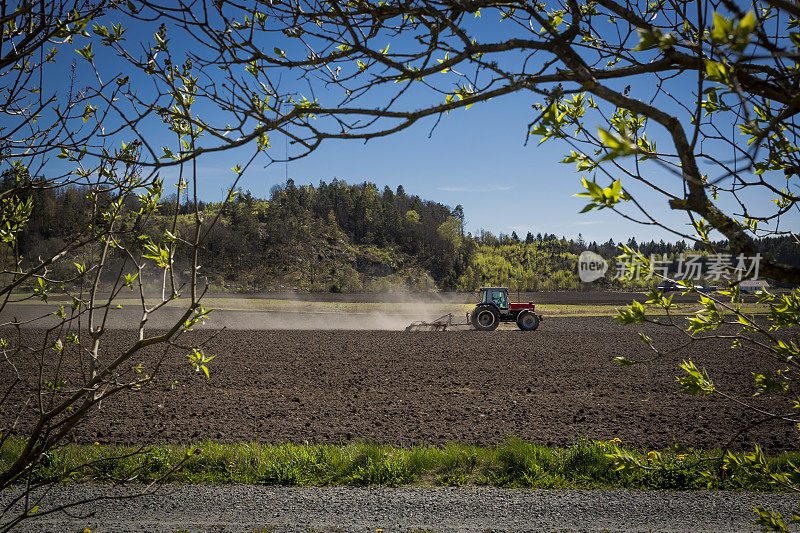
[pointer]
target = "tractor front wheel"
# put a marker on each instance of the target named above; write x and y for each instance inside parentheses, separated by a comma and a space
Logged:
(527, 321)
(485, 317)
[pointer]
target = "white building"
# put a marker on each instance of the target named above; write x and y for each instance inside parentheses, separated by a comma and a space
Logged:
(754, 284)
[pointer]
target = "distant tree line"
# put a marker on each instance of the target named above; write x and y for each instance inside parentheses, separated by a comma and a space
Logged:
(545, 261)
(345, 237)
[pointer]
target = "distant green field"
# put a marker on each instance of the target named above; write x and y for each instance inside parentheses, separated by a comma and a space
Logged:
(611, 310)
(432, 308)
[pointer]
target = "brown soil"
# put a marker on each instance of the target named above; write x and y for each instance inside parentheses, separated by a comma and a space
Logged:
(552, 386)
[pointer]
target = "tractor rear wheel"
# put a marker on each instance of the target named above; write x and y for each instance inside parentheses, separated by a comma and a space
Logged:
(527, 321)
(485, 317)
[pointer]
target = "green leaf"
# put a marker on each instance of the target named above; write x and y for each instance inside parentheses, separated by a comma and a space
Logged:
(704, 322)
(696, 382)
(88, 112)
(129, 279)
(789, 349)
(198, 360)
(86, 52)
(716, 72)
(617, 146)
(769, 382)
(654, 39)
(157, 253)
(723, 28)
(633, 314)
(748, 23)
(737, 36)
(41, 290)
(785, 310)
(624, 461)
(647, 39)
(770, 520)
(602, 197)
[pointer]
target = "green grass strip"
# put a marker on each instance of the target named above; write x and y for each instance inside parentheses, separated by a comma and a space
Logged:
(514, 463)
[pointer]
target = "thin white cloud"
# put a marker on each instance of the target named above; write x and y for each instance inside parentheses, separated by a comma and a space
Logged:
(520, 229)
(475, 189)
(587, 223)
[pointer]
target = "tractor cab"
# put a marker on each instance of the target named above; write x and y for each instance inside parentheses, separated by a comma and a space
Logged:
(495, 295)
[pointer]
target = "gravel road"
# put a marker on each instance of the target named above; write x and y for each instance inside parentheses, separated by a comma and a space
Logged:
(251, 509)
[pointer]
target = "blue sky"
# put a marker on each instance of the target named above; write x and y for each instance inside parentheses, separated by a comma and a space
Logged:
(474, 157)
(477, 158)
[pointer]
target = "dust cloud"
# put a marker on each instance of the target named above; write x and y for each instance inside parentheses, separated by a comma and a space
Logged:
(239, 320)
(244, 314)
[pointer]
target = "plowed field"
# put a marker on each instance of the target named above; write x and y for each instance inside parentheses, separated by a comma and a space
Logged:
(552, 386)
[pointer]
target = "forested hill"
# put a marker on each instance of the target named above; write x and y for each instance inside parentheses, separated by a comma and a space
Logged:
(338, 237)
(343, 237)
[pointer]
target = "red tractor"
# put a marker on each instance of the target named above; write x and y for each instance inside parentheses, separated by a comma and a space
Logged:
(495, 308)
(487, 315)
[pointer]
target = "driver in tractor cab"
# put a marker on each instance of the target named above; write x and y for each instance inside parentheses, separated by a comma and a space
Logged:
(498, 298)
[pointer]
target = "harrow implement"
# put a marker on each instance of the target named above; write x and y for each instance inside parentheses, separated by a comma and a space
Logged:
(440, 324)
